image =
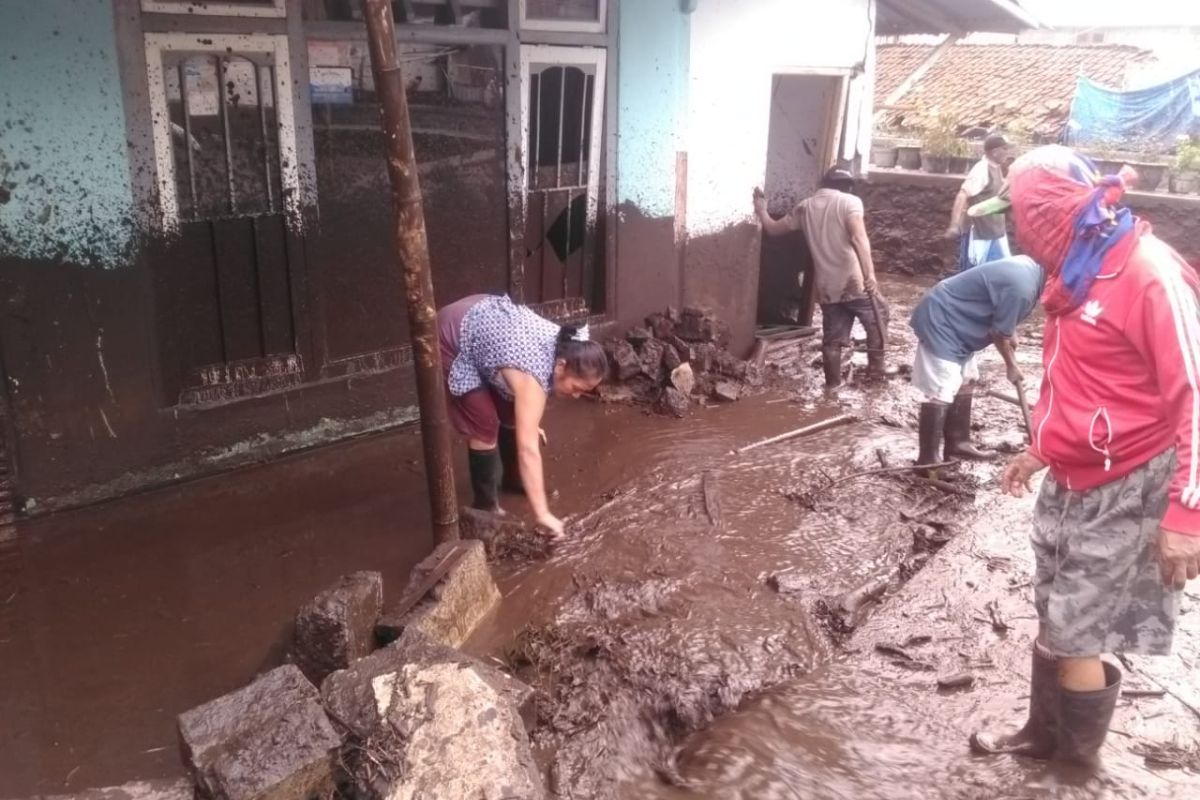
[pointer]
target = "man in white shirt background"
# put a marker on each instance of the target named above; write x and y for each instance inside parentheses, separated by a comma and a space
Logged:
(981, 239)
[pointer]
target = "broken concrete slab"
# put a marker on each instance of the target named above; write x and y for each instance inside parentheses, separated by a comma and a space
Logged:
(162, 789)
(338, 625)
(683, 379)
(459, 593)
(638, 336)
(726, 392)
(652, 358)
(615, 393)
(463, 724)
(624, 359)
(269, 740)
(670, 359)
(673, 401)
(661, 326)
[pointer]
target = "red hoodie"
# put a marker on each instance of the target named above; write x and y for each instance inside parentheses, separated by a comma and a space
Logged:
(1122, 379)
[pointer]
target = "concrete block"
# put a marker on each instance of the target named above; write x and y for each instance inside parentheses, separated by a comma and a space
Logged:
(464, 724)
(624, 359)
(726, 391)
(683, 379)
(269, 740)
(338, 625)
(672, 401)
(163, 789)
(447, 595)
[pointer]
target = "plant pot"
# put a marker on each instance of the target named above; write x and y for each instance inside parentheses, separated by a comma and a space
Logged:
(1107, 167)
(908, 156)
(1186, 182)
(883, 156)
(960, 165)
(1150, 176)
(938, 165)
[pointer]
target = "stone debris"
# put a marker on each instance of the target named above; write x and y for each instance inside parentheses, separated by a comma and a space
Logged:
(447, 594)
(269, 740)
(674, 402)
(683, 379)
(451, 725)
(338, 625)
(647, 363)
(726, 391)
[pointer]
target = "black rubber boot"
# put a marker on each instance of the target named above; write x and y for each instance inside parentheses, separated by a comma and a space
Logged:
(958, 431)
(507, 442)
(1039, 736)
(877, 365)
(484, 466)
(831, 359)
(1083, 720)
(929, 434)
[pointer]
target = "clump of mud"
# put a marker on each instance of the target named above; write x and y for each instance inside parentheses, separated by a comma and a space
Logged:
(615, 699)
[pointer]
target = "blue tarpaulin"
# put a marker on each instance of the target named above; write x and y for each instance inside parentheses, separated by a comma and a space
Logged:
(1151, 118)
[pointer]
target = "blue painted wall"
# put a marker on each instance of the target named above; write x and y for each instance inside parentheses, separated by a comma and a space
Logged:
(63, 160)
(654, 45)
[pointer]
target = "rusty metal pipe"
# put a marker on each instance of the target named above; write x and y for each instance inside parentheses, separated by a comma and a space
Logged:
(412, 250)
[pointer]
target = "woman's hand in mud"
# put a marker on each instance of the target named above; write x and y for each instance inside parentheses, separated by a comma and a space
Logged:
(552, 524)
(1178, 557)
(1019, 473)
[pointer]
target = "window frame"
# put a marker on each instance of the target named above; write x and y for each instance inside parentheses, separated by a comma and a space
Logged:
(564, 25)
(274, 45)
(277, 8)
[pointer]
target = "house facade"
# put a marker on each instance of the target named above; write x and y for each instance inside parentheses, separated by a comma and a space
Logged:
(196, 268)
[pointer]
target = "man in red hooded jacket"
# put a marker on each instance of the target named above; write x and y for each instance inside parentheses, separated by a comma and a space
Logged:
(1117, 522)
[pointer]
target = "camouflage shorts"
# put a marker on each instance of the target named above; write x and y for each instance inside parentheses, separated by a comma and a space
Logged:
(1098, 588)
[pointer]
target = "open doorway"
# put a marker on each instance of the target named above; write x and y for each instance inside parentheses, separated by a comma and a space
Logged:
(804, 128)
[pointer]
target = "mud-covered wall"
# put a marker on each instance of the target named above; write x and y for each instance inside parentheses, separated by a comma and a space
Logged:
(64, 176)
(908, 212)
(652, 85)
(736, 49)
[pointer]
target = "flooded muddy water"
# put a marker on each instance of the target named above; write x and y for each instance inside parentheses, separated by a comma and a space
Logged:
(675, 638)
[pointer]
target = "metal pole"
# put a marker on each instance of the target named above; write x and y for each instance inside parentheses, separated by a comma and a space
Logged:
(412, 249)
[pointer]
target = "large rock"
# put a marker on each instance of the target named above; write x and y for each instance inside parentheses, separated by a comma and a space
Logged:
(338, 625)
(447, 595)
(674, 402)
(726, 391)
(652, 358)
(661, 326)
(461, 725)
(683, 379)
(269, 740)
(162, 789)
(624, 360)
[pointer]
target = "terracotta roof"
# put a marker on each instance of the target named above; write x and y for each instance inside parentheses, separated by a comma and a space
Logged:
(995, 85)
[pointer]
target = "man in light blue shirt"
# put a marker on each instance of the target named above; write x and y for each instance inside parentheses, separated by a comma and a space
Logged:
(956, 319)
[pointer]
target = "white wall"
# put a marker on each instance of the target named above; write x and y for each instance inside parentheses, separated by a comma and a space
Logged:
(736, 47)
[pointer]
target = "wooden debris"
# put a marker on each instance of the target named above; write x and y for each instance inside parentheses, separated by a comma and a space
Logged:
(957, 680)
(840, 419)
(711, 489)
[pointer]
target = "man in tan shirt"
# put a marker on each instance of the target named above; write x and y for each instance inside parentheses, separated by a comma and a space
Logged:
(843, 272)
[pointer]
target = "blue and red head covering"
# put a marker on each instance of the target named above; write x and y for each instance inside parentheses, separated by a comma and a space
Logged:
(1067, 218)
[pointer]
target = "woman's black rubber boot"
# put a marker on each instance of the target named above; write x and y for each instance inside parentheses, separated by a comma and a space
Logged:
(1038, 738)
(1083, 720)
(507, 442)
(484, 466)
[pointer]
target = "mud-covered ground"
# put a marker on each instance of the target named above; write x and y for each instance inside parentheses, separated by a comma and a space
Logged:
(690, 639)
(668, 665)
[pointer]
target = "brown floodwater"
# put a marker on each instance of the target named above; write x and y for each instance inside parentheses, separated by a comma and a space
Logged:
(667, 666)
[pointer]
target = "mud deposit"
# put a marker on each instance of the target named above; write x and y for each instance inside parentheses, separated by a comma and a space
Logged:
(681, 641)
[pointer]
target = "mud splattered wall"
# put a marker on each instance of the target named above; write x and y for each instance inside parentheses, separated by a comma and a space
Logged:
(652, 101)
(736, 48)
(64, 173)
